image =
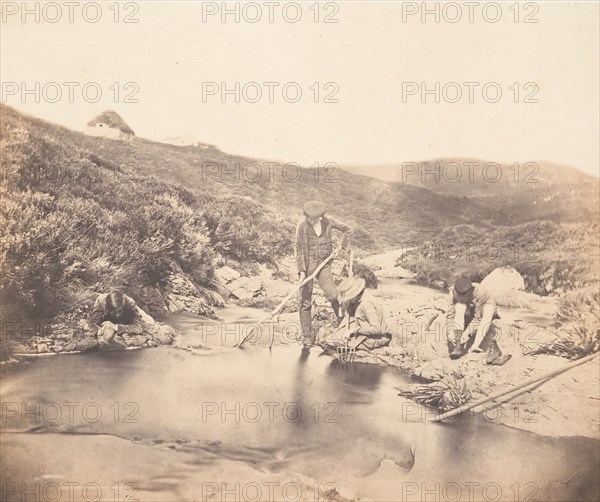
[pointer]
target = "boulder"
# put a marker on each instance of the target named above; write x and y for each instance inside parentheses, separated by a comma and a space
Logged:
(160, 334)
(86, 344)
(246, 287)
(135, 340)
(254, 285)
(193, 305)
(503, 280)
(227, 274)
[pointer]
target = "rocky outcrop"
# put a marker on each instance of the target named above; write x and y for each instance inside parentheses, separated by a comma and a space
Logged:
(152, 301)
(180, 295)
(238, 287)
(184, 296)
(389, 265)
(70, 333)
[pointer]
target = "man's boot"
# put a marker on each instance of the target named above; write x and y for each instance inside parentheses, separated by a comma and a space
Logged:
(495, 356)
(306, 326)
(457, 349)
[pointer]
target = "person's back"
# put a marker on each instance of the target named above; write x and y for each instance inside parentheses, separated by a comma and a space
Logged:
(370, 316)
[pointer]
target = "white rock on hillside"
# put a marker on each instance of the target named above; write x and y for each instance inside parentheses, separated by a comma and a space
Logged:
(246, 287)
(227, 274)
(507, 286)
(503, 280)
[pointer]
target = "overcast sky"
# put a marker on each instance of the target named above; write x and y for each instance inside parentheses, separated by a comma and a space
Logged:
(373, 52)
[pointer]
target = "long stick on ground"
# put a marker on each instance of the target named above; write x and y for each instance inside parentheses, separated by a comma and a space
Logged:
(286, 299)
(545, 376)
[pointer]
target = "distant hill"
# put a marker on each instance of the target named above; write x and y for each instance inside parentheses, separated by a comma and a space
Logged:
(521, 192)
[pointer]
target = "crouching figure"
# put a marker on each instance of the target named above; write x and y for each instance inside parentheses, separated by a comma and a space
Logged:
(115, 314)
(364, 326)
(470, 322)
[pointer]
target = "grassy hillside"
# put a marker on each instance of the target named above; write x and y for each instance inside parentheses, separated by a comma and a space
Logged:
(72, 222)
(384, 214)
(551, 258)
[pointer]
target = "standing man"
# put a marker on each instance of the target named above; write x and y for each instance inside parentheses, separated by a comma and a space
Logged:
(471, 315)
(314, 243)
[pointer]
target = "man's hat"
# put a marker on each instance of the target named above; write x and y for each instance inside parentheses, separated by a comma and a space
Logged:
(350, 288)
(314, 208)
(462, 289)
(462, 285)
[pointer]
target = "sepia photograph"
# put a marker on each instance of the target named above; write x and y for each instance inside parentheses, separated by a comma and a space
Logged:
(299, 251)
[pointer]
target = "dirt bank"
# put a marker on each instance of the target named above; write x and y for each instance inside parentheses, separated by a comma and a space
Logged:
(567, 405)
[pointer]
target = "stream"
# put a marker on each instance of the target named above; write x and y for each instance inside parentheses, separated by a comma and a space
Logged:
(225, 424)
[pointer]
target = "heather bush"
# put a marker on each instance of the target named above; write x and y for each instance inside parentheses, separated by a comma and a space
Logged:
(551, 258)
(72, 222)
(244, 230)
(578, 332)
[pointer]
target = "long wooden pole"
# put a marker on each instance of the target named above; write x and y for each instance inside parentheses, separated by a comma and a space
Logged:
(497, 395)
(351, 264)
(286, 299)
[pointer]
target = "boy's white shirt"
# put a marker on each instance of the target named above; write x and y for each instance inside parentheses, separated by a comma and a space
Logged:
(318, 227)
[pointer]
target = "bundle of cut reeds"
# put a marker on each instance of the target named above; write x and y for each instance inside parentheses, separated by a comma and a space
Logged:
(443, 395)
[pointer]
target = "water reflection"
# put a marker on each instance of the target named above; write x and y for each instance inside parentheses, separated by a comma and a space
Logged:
(352, 429)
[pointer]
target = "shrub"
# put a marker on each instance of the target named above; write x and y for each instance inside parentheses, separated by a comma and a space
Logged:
(244, 230)
(579, 332)
(73, 221)
(551, 258)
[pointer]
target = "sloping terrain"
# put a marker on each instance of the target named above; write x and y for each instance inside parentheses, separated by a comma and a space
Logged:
(385, 214)
(520, 192)
(82, 213)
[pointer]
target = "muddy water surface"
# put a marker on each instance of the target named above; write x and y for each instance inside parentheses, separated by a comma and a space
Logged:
(253, 424)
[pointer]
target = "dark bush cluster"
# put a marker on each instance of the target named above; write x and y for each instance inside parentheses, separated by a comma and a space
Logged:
(551, 258)
(72, 222)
